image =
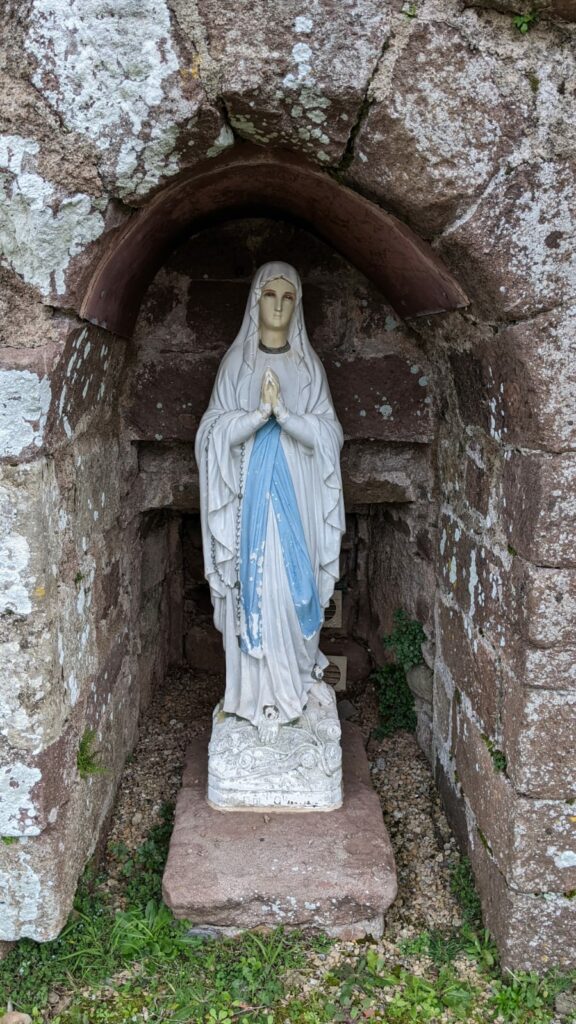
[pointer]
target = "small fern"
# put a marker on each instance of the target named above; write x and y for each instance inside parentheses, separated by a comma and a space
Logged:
(88, 759)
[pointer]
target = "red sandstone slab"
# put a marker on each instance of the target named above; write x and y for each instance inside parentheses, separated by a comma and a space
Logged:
(331, 871)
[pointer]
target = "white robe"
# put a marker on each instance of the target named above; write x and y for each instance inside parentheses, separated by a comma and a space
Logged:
(280, 676)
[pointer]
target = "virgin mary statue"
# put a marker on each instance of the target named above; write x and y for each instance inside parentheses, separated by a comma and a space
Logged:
(268, 452)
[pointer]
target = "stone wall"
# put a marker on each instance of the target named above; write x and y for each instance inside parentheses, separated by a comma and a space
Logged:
(461, 126)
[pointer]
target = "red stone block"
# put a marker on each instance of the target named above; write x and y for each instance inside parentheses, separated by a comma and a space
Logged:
(539, 727)
(379, 397)
(473, 664)
(534, 932)
(539, 511)
(487, 790)
(169, 396)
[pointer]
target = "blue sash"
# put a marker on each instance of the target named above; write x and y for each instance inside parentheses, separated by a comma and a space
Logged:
(268, 478)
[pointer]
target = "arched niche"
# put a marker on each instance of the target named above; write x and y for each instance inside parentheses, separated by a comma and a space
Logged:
(247, 180)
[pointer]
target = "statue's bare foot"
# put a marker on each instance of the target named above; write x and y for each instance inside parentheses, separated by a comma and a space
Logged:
(323, 693)
(269, 724)
(268, 731)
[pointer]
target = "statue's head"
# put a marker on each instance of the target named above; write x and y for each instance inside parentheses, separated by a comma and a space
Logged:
(277, 302)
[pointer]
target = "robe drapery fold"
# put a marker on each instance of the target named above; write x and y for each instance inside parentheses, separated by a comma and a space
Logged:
(279, 671)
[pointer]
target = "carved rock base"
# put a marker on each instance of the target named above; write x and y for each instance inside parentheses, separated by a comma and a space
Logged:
(299, 769)
(327, 872)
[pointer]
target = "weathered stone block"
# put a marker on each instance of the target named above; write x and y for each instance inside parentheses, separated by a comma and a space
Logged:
(368, 478)
(543, 854)
(167, 478)
(438, 128)
(384, 397)
(487, 789)
(181, 386)
(420, 680)
(33, 787)
(142, 136)
(441, 708)
(519, 386)
(154, 555)
(85, 386)
(549, 605)
(539, 513)
(483, 582)
(299, 82)
(533, 932)
(514, 249)
(552, 668)
(39, 874)
(538, 739)
(473, 664)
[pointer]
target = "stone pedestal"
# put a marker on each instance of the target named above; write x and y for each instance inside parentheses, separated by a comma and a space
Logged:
(234, 871)
(298, 768)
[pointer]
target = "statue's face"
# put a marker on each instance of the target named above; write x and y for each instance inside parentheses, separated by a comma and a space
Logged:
(277, 303)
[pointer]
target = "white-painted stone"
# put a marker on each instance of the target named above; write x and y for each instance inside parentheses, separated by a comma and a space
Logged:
(131, 103)
(299, 769)
(40, 229)
(24, 404)
(17, 810)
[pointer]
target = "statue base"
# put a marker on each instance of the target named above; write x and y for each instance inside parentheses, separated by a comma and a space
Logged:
(333, 873)
(293, 767)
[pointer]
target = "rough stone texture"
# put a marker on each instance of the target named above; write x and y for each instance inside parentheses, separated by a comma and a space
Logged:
(422, 149)
(553, 8)
(536, 930)
(143, 108)
(473, 664)
(538, 727)
(37, 882)
(532, 841)
(420, 681)
(178, 358)
(293, 78)
(331, 871)
(518, 384)
(540, 507)
(528, 265)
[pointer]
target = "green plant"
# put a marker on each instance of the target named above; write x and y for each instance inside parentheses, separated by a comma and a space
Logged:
(395, 700)
(498, 756)
(524, 22)
(405, 640)
(410, 10)
(87, 759)
(9, 840)
(523, 998)
(463, 888)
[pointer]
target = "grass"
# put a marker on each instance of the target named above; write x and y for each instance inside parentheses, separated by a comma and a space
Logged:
(137, 963)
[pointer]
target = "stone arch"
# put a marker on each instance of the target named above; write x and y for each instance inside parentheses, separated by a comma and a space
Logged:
(407, 270)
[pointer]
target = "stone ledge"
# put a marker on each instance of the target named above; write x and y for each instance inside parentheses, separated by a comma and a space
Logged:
(331, 872)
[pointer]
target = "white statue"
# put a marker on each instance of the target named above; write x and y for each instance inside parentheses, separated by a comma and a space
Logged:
(268, 451)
